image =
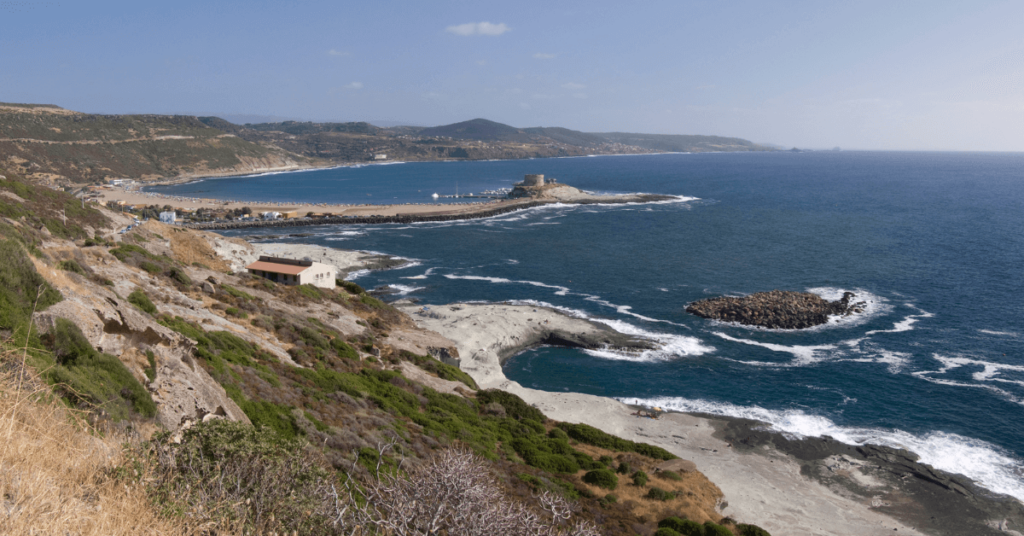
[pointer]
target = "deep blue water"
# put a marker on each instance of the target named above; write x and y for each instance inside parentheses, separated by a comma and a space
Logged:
(934, 242)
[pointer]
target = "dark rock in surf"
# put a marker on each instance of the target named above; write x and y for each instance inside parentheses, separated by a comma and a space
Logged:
(777, 309)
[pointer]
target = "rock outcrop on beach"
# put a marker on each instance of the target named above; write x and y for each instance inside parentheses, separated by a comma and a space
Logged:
(777, 309)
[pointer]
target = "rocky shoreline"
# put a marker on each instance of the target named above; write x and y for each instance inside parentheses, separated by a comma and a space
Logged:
(776, 309)
(891, 480)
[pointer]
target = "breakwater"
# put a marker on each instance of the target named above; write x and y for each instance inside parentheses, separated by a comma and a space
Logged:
(413, 218)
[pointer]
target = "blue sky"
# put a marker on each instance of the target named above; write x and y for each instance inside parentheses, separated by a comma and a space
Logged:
(870, 75)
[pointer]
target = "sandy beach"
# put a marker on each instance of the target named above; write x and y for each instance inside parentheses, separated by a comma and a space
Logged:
(765, 488)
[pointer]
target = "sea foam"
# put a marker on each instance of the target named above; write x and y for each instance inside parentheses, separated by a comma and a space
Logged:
(988, 465)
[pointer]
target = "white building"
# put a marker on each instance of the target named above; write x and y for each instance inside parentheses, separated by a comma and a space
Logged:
(294, 272)
(271, 215)
(168, 217)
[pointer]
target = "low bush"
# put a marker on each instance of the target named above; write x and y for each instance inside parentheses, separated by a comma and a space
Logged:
(606, 460)
(139, 299)
(351, 287)
(659, 494)
(19, 286)
(592, 436)
(751, 530)
(150, 267)
(515, 407)
(684, 527)
(232, 291)
(180, 276)
(665, 531)
(713, 529)
(71, 265)
(624, 469)
(668, 475)
(228, 477)
(85, 376)
(151, 369)
(640, 479)
(602, 478)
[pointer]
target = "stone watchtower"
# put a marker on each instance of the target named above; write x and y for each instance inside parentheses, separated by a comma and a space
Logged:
(533, 180)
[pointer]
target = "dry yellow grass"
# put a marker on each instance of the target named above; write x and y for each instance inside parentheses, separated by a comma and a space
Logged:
(53, 468)
(696, 496)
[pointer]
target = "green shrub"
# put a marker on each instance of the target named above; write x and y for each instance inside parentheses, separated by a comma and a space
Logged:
(343, 349)
(542, 457)
(71, 265)
(640, 479)
(592, 436)
(684, 527)
(665, 531)
(19, 284)
(139, 299)
(233, 311)
(150, 267)
(443, 370)
(151, 369)
(602, 478)
(370, 301)
(351, 287)
(515, 407)
(713, 529)
(180, 276)
(624, 469)
(84, 375)
(606, 460)
(309, 291)
(218, 477)
(317, 423)
(751, 530)
(668, 475)
(232, 291)
(262, 413)
(124, 251)
(659, 494)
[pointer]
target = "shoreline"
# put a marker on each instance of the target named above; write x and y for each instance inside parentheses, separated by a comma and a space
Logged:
(787, 485)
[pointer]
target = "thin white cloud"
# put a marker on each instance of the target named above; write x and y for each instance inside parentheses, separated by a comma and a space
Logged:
(478, 28)
(481, 62)
(333, 52)
(354, 85)
(579, 95)
(524, 105)
(542, 96)
(544, 56)
(572, 85)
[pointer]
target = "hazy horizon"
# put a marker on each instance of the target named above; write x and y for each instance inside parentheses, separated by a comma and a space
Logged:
(910, 76)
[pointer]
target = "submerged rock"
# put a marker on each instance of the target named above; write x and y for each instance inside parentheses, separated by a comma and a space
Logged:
(777, 309)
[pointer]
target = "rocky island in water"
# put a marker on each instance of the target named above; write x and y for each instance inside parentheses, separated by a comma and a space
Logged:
(776, 309)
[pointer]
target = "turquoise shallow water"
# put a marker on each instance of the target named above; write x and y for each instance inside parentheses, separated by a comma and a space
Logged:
(934, 242)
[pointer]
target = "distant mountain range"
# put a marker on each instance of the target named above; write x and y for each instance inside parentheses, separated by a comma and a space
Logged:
(49, 143)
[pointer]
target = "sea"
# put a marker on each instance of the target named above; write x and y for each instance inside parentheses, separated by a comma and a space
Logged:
(931, 242)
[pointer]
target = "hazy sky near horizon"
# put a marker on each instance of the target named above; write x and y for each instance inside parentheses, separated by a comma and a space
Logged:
(861, 75)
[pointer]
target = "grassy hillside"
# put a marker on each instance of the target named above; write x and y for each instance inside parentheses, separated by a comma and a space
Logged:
(51, 144)
(480, 130)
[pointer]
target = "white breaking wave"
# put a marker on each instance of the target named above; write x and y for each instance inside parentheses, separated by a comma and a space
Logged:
(562, 291)
(356, 274)
(990, 372)
(803, 355)
(906, 324)
(402, 290)
(1000, 333)
(988, 465)
(669, 346)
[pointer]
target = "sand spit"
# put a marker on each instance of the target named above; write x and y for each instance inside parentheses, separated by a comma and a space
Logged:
(765, 488)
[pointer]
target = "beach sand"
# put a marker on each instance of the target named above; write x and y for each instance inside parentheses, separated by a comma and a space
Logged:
(764, 488)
